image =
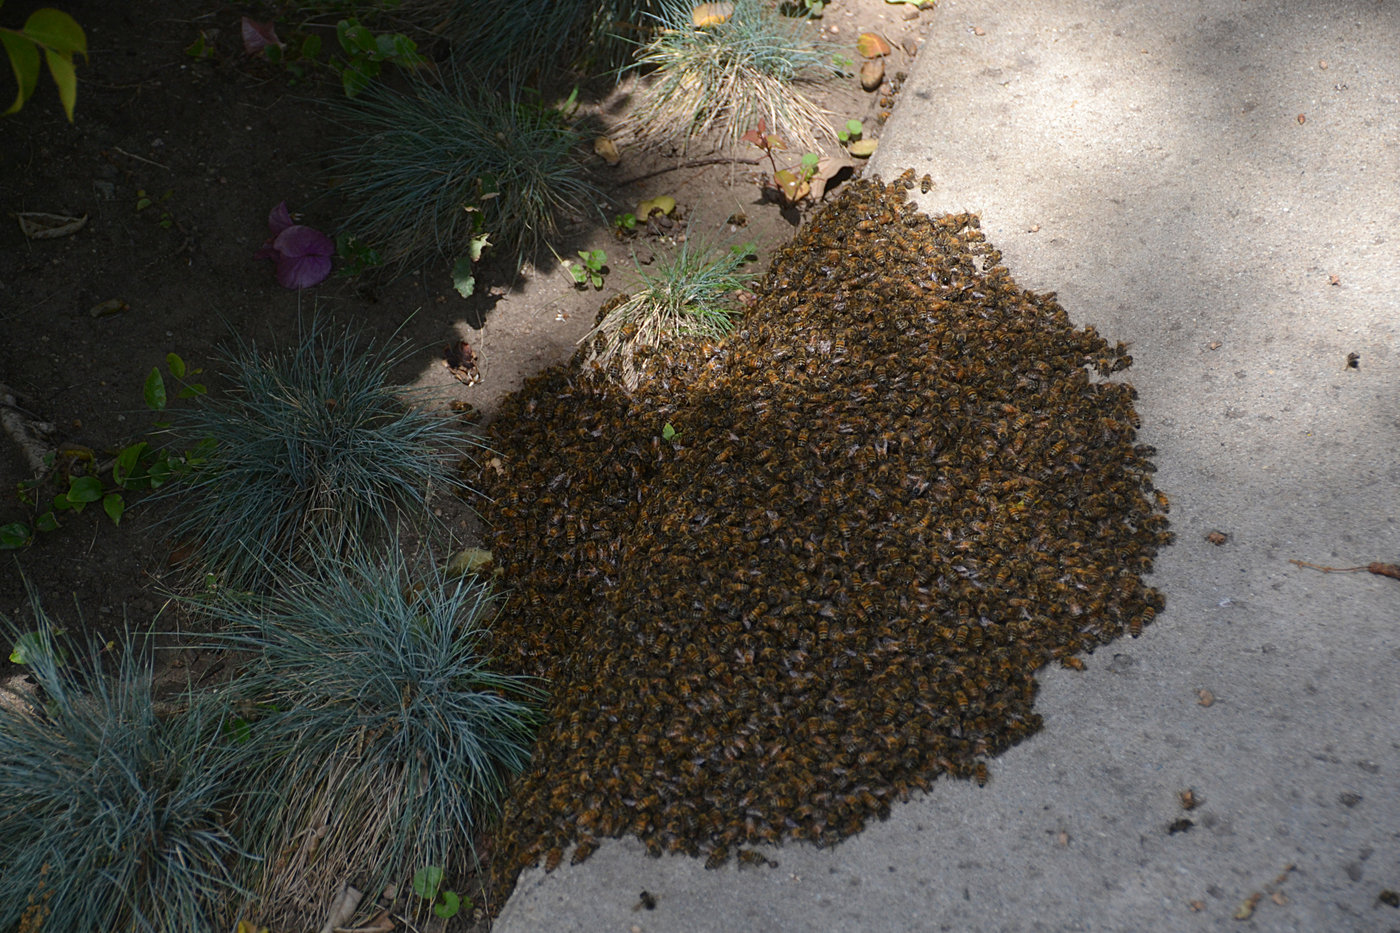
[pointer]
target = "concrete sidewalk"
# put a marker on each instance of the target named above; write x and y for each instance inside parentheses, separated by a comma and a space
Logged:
(1217, 182)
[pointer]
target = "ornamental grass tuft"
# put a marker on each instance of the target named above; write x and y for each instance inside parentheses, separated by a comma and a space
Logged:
(387, 738)
(541, 35)
(722, 78)
(312, 450)
(690, 293)
(426, 172)
(111, 805)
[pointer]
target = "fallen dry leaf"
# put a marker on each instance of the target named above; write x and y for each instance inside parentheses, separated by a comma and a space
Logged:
(606, 149)
(1246, 908)
(872, 73)
(37, 225)
(872, 45)
(1204, 697)
(711, 14)
(460, 360)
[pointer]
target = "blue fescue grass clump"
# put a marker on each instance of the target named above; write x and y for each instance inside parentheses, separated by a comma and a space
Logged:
(425, 172)
(111, 811)
(313, 450)
(724, 77)
(690, 293)
(387, 736)
(544, 35)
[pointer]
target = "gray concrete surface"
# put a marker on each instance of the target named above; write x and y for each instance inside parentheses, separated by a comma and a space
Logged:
(1182, 205)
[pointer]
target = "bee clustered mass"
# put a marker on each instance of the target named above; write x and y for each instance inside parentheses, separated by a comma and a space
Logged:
(896, 491)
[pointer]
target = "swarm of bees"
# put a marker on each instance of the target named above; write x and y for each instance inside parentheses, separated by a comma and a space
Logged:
(797, 575)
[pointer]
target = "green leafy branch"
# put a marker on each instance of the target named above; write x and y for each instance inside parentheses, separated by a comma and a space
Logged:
(59, 36)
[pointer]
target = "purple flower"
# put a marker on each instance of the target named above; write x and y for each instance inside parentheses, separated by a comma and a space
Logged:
(302, 254)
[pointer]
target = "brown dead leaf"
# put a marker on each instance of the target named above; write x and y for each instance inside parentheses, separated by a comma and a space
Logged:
(40, 226)
(1246, 908)
(1334, 280)
(827, 169)
(460, 360)
(1214, 345)
(872, 73)
(606, 149)
(1204, 697)
(872, 45)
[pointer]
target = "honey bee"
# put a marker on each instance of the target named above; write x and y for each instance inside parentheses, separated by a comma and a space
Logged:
(925, 184)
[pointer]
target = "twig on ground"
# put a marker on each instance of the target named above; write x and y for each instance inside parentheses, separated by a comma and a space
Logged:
(25, 432)
(693, 163)
(1376, 567)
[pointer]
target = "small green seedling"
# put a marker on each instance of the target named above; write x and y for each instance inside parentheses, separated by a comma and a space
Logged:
(355, 255)
(852, 131)
(137, 467)
(843, 63)
(427, 884)
(790, 184)
(591, 269)
(668, 432)
(624, 225)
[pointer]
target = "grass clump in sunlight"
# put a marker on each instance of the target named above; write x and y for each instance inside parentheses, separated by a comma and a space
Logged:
(722, 78)
(111, 808)
(687, 294)
(426, 172)
(387, 737)
(311, 450)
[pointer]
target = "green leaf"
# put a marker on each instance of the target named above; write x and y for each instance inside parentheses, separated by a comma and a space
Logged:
(449, 906)
(61, 67)
(56, 30)
(84, 489)
(47, 522)
(14, 535)
(462, 278)
(810, 160)
(61, 503)
(127, 462)
(426, 882)
(311, 47)
(190, 391)
(357, 76)
(177, 365)
(155, 391)
(114, 505)
(238, 729)
(668, 432)
(159, 473)
(24, 60)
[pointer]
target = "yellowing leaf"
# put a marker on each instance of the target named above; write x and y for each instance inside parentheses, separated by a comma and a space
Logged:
(871, 45)
(245, 926)
(662, 202)
(471, 560)
(711, 14)
(864, 148)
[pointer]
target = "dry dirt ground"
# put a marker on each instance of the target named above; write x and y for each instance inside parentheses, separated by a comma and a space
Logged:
(215, 143)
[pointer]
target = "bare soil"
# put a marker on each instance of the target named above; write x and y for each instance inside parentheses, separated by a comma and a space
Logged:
(215, 143)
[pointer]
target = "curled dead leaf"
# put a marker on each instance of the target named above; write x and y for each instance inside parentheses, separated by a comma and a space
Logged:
(37, 225)
(872, 73)
(606, 149)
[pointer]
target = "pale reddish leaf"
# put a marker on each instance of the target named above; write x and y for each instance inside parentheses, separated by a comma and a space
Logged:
(258, 36)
